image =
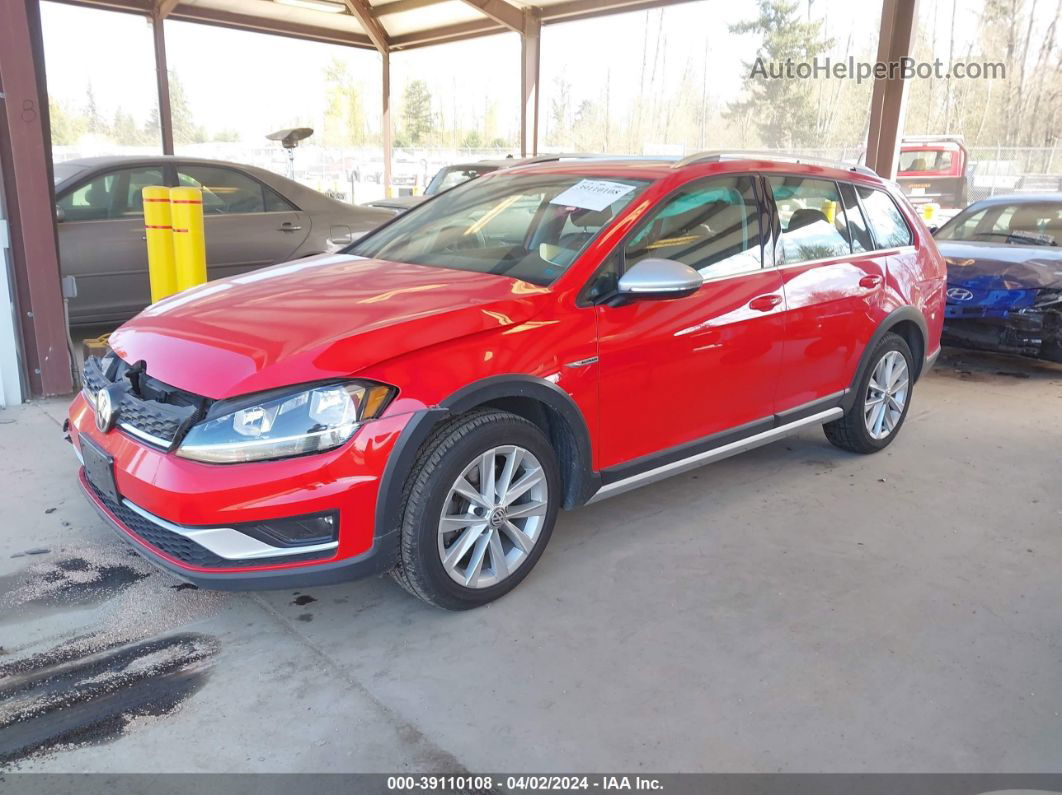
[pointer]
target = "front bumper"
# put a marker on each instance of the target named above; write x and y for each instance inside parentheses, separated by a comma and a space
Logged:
(175, 512)
(1030, 331)
(376, 560)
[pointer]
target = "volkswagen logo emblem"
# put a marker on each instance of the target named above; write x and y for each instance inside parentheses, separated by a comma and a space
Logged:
(107, 408)
(959, 294)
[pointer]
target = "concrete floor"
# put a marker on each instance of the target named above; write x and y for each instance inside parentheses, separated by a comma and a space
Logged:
(792, 609)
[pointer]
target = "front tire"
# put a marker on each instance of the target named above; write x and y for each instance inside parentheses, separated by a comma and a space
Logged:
(882, 399)
(478, 510)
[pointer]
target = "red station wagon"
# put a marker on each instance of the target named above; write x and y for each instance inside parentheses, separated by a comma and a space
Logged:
(540, 338)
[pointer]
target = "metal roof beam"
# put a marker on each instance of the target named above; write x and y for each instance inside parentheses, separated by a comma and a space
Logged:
(377, 35)
(588, 9)
(163, 8)
(501, 12)
(230, 19)
(447, 33)
(398, 6)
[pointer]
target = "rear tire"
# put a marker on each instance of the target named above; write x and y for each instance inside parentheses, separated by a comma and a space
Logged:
(882, 398)
(478, 510)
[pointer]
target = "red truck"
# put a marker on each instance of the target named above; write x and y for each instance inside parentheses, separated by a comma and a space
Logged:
(934, 168)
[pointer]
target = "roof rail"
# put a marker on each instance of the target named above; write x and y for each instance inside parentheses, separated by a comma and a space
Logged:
(719, 156)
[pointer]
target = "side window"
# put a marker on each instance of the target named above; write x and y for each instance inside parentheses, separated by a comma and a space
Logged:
(225, 191)
(138, 180)
(711, 225)
(855, 225)
(890, 230)
(811, 218)
(116, 194)
(275, 203)
(91, 201)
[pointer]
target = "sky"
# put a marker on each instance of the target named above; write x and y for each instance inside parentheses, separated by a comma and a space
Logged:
(255, 83)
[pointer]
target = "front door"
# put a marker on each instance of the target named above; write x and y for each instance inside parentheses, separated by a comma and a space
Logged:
(673, 372)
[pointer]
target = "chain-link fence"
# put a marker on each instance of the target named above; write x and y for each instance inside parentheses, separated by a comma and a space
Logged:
(1014, 169)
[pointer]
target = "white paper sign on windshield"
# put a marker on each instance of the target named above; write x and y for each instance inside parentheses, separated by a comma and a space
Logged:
(592, 194)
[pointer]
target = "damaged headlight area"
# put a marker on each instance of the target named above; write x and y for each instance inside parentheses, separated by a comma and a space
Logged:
(1048, 298)
(309, 420)
(1030, 325)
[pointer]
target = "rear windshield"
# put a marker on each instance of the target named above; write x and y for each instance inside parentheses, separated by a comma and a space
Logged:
(450, 176)
(1019, 224)
(925, 160)
(528, 226)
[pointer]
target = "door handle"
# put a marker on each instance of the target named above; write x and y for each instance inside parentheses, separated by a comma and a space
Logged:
(287, 226)
(870, 281)
(765, 303)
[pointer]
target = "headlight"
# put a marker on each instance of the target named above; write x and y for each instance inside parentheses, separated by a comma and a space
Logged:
(295, 423)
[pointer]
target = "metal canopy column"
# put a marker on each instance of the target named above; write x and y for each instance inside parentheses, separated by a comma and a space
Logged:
(888, 100)
(159, 13)
(26, 165)
(530, 50)
(386, 122)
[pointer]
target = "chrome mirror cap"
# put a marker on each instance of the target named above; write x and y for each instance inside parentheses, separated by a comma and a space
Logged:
(658, 279)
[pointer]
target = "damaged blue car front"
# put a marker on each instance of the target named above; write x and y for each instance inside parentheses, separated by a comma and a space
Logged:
(1005, 276)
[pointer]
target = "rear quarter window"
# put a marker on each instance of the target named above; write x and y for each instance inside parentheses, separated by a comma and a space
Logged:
(885, 219)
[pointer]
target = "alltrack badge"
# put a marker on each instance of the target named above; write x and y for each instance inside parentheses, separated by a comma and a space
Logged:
(107, 407)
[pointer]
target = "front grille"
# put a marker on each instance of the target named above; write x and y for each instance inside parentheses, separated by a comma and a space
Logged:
(153, 418)
(149, 409)
(183, 549)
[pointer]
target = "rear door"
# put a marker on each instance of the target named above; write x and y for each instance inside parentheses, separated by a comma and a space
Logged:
(248, 224)
(832, 280)
(101, 243)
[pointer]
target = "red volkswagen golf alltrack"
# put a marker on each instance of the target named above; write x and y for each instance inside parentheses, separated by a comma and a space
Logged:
(539, 338)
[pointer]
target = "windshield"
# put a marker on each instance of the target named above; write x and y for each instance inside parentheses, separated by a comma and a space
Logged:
(1019, 224)
(528, 226)
(450, 176)
(63, 171)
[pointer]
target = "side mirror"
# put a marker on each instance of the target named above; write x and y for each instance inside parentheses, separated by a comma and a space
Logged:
(658, 280)
(933, 229)
(60, 214)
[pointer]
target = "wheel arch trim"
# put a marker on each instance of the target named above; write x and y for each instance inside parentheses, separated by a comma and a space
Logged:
(890, 322)
(580, 480)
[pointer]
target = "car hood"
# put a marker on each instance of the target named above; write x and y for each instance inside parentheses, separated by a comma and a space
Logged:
(1007, 266)
(321, 317)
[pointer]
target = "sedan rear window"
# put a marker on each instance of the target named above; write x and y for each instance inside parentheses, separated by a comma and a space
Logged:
(527, 226)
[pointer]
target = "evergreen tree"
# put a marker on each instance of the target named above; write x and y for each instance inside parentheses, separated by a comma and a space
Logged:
(417, 121)
(66, 127)
(185, 130)
(94, 122)
(782, 109)
(344, 117)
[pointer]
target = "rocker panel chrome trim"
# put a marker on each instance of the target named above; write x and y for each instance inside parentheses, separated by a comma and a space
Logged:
(715, 454)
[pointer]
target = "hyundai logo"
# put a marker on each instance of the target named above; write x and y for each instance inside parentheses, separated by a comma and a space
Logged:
(959, 294)
(106, 409)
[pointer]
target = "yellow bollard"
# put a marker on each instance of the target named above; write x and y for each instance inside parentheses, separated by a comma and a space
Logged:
(159, 235)
(829, 209)
(189, 241)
